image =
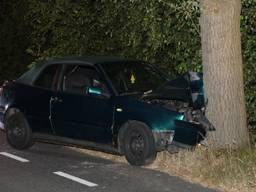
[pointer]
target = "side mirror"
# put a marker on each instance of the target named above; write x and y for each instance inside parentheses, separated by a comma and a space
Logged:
(94, 91)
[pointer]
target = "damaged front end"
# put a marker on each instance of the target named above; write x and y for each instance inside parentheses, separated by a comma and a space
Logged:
(184, 95)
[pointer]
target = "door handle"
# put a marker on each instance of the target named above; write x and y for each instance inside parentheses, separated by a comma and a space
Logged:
(56, 99)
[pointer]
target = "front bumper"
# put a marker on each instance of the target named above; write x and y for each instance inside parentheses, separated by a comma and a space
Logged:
(188, 134)
(185, 135)
(163, 139)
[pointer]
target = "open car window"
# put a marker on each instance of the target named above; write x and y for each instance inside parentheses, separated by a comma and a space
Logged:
(79, 79)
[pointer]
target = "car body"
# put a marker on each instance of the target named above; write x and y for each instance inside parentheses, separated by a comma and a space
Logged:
(122, 106)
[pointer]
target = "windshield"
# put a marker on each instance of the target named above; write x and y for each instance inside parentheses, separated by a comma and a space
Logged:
(134, 77)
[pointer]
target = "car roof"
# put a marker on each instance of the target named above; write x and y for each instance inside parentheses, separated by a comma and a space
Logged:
(31, 75)
(86, 60)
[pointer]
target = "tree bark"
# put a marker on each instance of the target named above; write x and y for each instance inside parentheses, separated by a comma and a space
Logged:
(223, 72)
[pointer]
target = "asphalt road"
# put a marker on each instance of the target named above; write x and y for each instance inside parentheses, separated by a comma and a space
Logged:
(52, 168)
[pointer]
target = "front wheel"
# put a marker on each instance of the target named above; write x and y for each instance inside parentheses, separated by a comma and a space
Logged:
(139, 145)
(18, 131)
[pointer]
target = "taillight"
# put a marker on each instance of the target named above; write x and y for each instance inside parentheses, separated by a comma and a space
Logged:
(1, 90)
(5, 83)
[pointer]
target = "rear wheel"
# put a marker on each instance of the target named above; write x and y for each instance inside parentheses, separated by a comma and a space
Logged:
(18, 131)
(138, 144)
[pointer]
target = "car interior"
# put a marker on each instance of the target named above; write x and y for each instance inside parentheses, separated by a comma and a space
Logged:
(78, 79)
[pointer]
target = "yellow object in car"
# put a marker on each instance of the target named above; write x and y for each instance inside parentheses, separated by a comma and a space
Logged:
(133, 79)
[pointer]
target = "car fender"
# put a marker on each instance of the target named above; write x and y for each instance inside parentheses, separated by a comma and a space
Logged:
(159, 120)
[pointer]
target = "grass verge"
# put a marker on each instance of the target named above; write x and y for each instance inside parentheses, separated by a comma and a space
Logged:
(227, 170)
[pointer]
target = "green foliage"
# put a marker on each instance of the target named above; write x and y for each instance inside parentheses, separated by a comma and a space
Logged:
(13, 38)
(165, 32)
(248, 30)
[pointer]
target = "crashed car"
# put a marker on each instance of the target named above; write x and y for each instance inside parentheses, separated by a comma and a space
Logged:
(121, 106)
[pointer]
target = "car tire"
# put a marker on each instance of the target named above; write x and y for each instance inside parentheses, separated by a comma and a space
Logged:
(138, 144)
(18, 131)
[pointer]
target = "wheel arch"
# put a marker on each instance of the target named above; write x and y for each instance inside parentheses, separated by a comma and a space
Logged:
(15, 119)
(10, 111)
(122, 130)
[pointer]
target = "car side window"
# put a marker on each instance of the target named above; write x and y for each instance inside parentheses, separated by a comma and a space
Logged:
(79, 79)
(47, 78)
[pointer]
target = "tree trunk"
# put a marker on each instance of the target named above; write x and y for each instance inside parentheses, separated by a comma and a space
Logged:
(223, 72)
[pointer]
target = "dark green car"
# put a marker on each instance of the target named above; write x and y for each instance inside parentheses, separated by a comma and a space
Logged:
(126, 107)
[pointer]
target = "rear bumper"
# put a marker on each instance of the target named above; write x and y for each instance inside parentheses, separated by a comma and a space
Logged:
(1, 126)
(2, 118)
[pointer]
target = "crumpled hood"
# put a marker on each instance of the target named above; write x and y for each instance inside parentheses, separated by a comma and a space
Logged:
(188, 87)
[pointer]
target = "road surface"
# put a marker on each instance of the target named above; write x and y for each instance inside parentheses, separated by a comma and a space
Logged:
(53, 168)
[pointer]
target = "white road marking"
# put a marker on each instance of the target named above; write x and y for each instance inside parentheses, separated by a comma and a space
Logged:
(14, 157)
(76, 179)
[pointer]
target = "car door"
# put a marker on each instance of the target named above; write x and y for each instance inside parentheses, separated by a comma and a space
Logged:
(77, 112)
(36, 98)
